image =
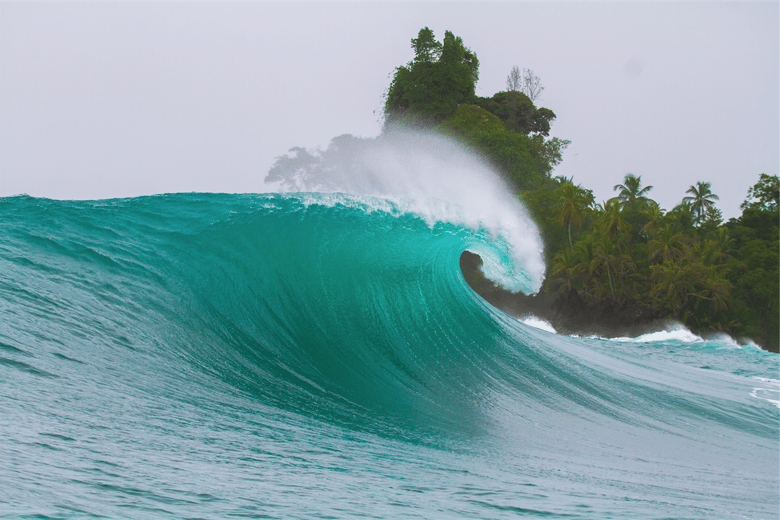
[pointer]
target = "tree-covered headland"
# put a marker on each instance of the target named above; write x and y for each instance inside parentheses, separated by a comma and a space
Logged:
(436, 91)
(614, 266)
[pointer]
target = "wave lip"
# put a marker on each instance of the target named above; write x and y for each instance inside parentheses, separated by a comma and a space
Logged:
(440, 180)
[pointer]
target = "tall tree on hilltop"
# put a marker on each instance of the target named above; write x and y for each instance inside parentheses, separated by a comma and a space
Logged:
(531, 85)
(701, 198)
(426, 48)
(429, 88)
(514, 81)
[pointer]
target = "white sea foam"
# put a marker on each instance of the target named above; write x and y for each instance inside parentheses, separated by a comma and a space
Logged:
(768, 391)
(673, 333)
(681, 334)
(750, 343)
(728, 340)
(440, 180)
(538, 323)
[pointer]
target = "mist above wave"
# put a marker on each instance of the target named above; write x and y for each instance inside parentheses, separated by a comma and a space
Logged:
(430, 175)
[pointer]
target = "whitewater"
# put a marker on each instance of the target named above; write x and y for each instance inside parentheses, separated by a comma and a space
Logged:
(319, 354)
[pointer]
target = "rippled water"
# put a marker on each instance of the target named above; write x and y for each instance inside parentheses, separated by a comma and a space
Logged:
(313, 356)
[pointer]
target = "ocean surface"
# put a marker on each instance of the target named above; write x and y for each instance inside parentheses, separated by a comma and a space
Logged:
(320, 356)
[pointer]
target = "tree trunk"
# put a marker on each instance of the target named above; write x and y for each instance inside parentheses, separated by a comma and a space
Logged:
(609, 276)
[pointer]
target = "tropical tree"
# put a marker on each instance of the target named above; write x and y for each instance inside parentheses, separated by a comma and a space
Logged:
(690, 290)
(586, 251)
(605, 260)
(616, 230)
(514, 154)
(426, 48)
(573, 201)
(718, 249)
(667, 246)
(764, 195)
(613, 225)
(654, 214)
(630, 191)
(701, 199)
(682, 217)
(565, 263)
(756, 273)
(518, 112)
(429, 88)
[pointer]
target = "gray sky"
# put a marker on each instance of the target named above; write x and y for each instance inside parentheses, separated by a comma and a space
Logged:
(124, 99)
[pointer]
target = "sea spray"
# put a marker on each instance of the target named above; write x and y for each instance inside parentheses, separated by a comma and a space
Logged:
(432, 176)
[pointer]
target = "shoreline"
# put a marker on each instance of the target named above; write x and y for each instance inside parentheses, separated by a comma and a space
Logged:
(568, 314)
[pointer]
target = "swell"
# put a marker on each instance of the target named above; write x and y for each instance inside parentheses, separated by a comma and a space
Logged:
(345, 309)
(320, 305)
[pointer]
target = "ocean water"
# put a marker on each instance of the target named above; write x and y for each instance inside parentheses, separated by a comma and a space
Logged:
(321, 356)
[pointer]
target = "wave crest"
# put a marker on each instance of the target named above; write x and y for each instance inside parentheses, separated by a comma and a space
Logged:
(431, 176)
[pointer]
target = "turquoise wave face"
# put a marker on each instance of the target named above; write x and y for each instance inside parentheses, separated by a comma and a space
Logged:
(181, 355)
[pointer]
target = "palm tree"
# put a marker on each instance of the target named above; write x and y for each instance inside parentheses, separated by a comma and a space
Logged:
(629, 191)
(667, 246)
(585, 252)
(564, 263)
(572, 203)
(701, 198)
(682, 217)
(671, 287)
(615, 229)
(718, 249)
(654, 214)
(604, 256)
(612, 222)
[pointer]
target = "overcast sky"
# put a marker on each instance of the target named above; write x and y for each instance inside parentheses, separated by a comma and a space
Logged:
(123, 99)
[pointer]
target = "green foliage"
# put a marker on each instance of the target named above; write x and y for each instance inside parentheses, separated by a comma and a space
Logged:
(520, 158)
(630, 193)
(426, 48)
(757, 265)
(684, 264)
(611, 221)
(701, 199)
(682, 217)
(573, 202)
(551, 151)
(518, 113)
(429, 89)
(541, 204)
(765, 195)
